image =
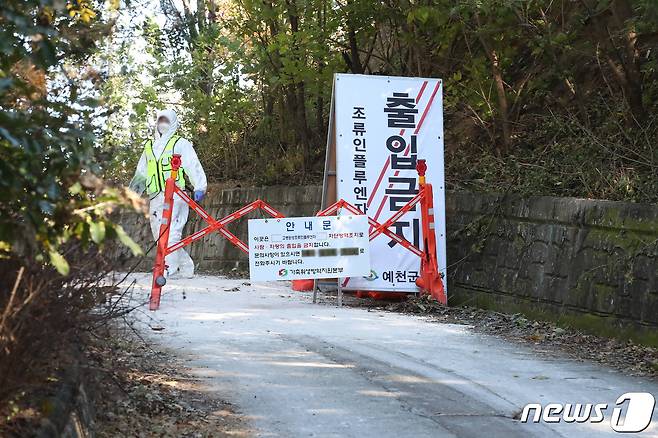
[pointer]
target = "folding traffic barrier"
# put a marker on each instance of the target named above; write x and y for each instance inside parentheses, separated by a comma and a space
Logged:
(163, 248)
(429, 281)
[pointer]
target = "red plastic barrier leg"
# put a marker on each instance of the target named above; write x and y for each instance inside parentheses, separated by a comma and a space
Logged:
(430, 280)
(159, 267)
(303, 285)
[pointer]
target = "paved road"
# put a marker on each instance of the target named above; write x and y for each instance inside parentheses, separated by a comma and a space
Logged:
(296, 369)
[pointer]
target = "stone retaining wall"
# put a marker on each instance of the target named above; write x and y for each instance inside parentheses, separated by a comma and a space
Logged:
(590, 264)
(70, 409)
(214, 253)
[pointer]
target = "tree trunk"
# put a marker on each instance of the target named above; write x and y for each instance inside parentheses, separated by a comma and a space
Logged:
(354, 59)
(614, 31)
(503, 106)
(297, 92)
(622, 13)
(319, 102)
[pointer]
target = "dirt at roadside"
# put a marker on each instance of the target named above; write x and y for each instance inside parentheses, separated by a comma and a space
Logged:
(144, 391)
(545, 337)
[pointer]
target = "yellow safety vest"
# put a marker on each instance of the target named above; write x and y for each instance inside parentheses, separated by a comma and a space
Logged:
(158, 170)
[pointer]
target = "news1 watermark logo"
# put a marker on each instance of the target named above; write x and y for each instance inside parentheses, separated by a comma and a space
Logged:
(632, 412)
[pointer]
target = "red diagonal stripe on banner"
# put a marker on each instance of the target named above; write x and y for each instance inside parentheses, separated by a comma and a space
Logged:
(388, 160)
(422, 90)
(406, 152)
(408, 149)
(429, 105)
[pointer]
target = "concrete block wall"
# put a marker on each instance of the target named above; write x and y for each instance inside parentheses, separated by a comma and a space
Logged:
(588, 263)
(214, 253)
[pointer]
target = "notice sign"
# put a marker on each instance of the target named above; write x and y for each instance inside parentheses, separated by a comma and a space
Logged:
(383, 126)
(308, 247)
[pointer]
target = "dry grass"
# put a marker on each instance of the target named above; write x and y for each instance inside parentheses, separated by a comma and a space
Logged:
(45, 319)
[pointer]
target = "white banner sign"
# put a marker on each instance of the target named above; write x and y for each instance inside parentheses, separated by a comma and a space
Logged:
(383, 125)
(308, 247)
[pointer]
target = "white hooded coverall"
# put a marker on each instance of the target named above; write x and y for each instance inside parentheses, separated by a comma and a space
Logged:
(179, 262)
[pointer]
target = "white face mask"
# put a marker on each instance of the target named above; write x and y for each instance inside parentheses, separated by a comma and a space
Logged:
(163, 127)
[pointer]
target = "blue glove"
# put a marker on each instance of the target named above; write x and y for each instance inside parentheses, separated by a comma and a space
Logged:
(198, 195)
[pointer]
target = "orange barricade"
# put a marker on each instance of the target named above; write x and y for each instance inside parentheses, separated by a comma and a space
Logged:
(163, 249)
(429, 281)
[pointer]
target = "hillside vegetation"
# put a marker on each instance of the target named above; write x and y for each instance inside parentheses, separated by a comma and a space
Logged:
(541, 97)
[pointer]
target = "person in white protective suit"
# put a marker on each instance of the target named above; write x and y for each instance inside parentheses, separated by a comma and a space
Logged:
(153, 169)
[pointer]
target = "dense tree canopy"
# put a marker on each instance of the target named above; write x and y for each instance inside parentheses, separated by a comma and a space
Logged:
(555, 97)
(541, 96)
(49, 191)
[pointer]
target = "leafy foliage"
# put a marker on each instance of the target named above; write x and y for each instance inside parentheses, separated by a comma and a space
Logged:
(54, 210)
(48, 192)
(549, 83)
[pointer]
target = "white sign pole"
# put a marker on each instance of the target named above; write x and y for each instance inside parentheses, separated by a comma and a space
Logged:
(383, 125)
